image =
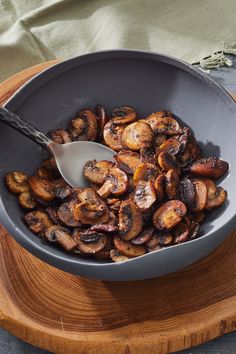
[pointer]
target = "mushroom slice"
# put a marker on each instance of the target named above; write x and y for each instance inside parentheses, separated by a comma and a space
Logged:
(42, 188)
(172, 184)
(163, 123)
(130, 220)
(137, 135)
(181, 233)
(148, 154)
(124, 115)
(91, 247)
(169, 214)
(84, 126)
(37, 221)
(61, 189)
(187, 192)
(191, 152)
(200, 196)
(193, 230)
(168, 162)
(104, 228)
(144, 195)
(53, 214)
(144, 237)
(17, 182)
(92, 210)
(102, 118)
(60, 136)
(116, 182)
(165, 239)
(215, 195)
(66, 213)
(105, 252)
(172, 146)
(127, 160)
(127, 248)
(160, 187)
(112, 135)
(44, 173)
(211, 167)
(159, 139)
(27, 201)
(114, 204)
(59, 234)
(113, 219)
(95, 171)
(50, 232)
(153, 244)
(117, 256)
(145, 172)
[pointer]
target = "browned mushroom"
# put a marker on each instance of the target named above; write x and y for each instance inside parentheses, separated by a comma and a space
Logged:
(95, 171)
(17, 182)
(52, 212)
(211, 167)
(102, 118)
(113, 220)
(42, 188)
(169, 214)
(148, 154)
(112, 135)
(193, 230)
(104, 228)
(153, 244)
(144, 195)
(127, 160)
(216, 196)
(168, 162)
(187, 192)
(159, 139)
(114, 204)
(145, 172)
(66, 213)
(190, 152)
(144, 237)
(60, 136)
(124, 115)
(51, 166)
(137, 135)
(171, 145)
(117, 256)
(91, 209)
(130, 220)
(172, 184)
(116, 182)
(27, 201)
(84, 126)
(59, 234)
(160, 187)
(200, 196)
(104, 254)
(37, 221)
(163, 123)
(181, 233)
(91, 244)
(44, 173)
(165, 239)
(50, 232)
(127, 248)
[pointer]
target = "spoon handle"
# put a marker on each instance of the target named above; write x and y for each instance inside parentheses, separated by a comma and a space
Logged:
(24, 127)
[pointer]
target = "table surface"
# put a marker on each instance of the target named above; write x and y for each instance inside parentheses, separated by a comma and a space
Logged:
(223, 345)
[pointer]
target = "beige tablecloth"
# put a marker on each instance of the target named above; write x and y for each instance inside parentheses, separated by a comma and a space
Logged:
(32, 31)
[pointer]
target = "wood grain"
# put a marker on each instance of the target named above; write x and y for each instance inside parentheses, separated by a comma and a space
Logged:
(66, 314)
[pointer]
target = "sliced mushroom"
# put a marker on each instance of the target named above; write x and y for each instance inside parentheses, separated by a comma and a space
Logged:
(153, 244)
(148, 154)
(95, 171)
(124, 115)
(117, 256)
(44, 173)
(130, 220)
(104, 254)
(60, 136)
(172, 146)
(144, 195)
(163, 123)
(92, 210)
(211, 167)
(37, 221)
(159, 139)
(104, 228)
(172, 184)
(187, 192)
(127, 160)
(84, 126)
(90, 247)
(191, 152)
(145, 172)
(160, 187)
(168, 162)
(52, 212)
(114, 204)
(193, 230)
(169, 214)
(181, 233)
(17, 182)
(27, 201)
(127, 248)
(113, 219)
(61, 189)
(42, 188)
(102, 118)
(200, 196)
(50, 232)
(90, 236)
(165, 239)
(216, 196)
(144, 237)
(51, 166)
(116, 182)
(137, 135)
(66, 213)
(60, 234)
(112, 135)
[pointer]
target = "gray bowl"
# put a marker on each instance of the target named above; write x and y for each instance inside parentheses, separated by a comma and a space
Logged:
(149, 82)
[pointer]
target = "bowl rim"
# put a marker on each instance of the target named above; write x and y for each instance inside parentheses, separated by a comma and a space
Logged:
(41, 78)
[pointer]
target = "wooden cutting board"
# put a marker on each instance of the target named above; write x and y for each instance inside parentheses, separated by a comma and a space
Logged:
(67, 314)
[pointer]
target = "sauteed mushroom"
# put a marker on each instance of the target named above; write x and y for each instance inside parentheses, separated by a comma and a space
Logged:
(169, 214)
(200, 196)
(181, 233)
(216, 196)
(37, 221)
(171, 145)
(130, 220)
(117, 256)
(160, 187)
(17, 182)
(116, 182)
(41, 188)
(94, 242)
(66, 213)
(102, 117)
(144, 195)
(163, 123)
(60, 136)
(148, 154)
(127, 161)
(144, 237)
(112, 135)
(172, 184)
(187, 192)
(211, 167)
(60, 235)
(95, 171)
(84, 126)
(27, 201)
(145, 172)
(168, 162)
(137, 135)
(124, 115)
(127, 248)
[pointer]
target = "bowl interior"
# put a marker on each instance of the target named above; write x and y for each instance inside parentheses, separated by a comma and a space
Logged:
(146, 81)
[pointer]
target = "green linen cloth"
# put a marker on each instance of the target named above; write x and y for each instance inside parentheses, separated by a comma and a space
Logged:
(32, 31)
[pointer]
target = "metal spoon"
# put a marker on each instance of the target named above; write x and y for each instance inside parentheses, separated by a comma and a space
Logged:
(70, 157)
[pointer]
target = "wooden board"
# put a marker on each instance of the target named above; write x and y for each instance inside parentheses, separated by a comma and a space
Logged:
(66, 314)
